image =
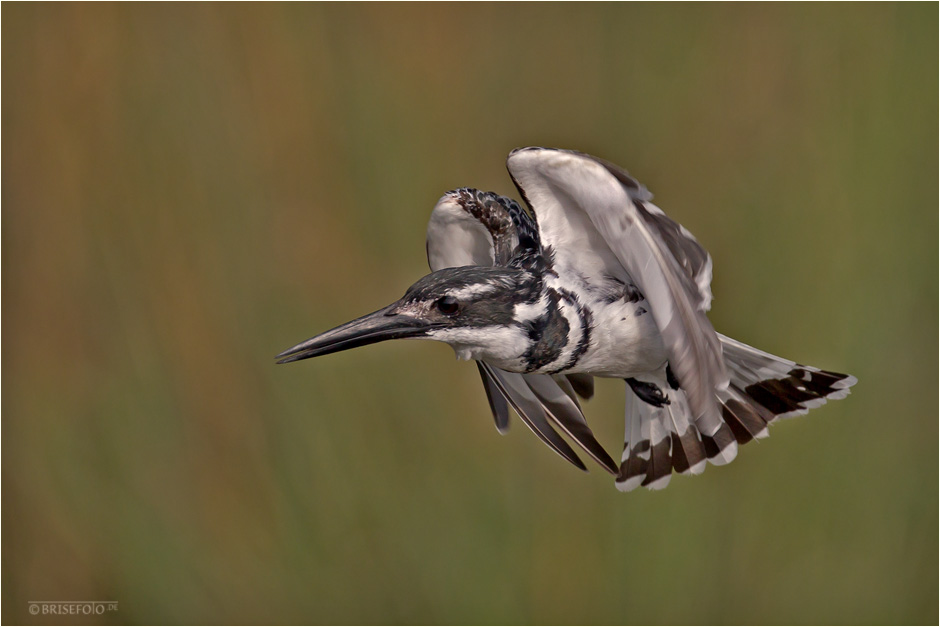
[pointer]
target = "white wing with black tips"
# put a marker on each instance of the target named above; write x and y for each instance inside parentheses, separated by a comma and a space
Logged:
(470, 227)
(598, 221)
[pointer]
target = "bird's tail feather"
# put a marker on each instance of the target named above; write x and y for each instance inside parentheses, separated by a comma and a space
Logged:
(778, 386)
(763, 388)
(663, 438)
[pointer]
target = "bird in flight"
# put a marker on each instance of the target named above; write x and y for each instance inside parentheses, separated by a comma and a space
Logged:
(595, 282)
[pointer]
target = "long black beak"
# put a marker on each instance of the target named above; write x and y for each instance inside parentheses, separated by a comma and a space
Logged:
(384, 324)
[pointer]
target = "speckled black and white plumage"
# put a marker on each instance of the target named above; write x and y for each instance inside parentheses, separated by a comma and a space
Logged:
(700, 402)
(595, 281)
(504, 234)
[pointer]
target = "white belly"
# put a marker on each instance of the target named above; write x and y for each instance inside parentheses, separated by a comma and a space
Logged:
(623, 344)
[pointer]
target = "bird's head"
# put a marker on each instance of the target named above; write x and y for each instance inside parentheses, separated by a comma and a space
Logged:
(472, 308)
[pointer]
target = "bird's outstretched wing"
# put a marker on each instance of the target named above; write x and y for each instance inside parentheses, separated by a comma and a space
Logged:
(470, 227)
(473, 228)
(598, 221)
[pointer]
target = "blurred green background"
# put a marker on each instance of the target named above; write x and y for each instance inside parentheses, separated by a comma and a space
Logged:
(188, 190)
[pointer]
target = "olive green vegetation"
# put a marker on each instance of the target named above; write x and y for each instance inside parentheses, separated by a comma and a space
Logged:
(188, 190)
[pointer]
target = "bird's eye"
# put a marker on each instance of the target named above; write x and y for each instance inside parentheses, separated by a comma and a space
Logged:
(447, 305)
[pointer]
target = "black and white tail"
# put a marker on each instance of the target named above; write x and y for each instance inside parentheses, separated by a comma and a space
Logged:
(662, 437)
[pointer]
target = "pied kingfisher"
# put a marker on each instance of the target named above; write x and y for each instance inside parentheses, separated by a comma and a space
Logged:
(596, 281)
